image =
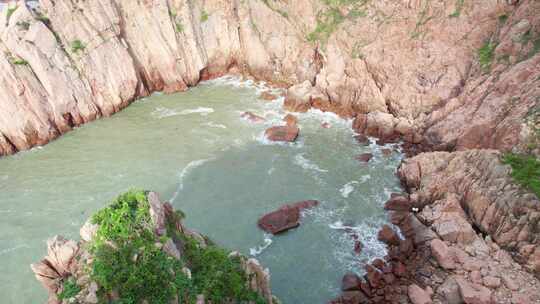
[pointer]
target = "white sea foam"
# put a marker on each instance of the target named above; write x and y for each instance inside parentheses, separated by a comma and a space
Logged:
(271, 170)
(182, 175)
(214, 125)
(255, 251)
(348, 188)
(162, 112)
(365, 178)
(307, 164)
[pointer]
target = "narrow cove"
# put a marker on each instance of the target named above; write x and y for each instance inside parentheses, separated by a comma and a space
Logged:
(197, 152)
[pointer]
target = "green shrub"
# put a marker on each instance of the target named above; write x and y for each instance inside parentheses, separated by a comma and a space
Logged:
(126, 259)
(485, 54)
(525, 171)
(70, 289)
(204, 16)
(19, 61)
(77, 46)
(458, 9)
(10, 11)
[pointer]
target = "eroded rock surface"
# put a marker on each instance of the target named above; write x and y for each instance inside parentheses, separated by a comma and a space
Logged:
(285, 218)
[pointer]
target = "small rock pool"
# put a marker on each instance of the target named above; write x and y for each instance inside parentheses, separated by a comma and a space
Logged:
(197, 152)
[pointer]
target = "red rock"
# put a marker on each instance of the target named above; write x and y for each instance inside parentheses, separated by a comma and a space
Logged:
(418, 296)
(378, 263)
(366, 157)
(361, 139)
(282, 133)
(351, 297)
(473, 293)
(492, 282)
(252, 117)
(285, 218)
(358, 247)
(268, 96)
(388, 236)
(442, 254)
(291, 120)
(350, 282)
(399, 269)
(374, 276)
(398, 203)
(326, 125)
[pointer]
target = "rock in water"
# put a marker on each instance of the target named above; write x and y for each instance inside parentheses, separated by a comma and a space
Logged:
(252, 117)
(268, 96)
(290, 120)
(282, 133)
(285, 218)
(365, 158)
(350, 282)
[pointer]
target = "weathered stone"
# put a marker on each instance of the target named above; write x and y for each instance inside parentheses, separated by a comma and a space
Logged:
(364, 158)
(285, 218)
(388, 235)
(418, 296)
(441, 253)
(350, 282)
(473, 293)
(282, 133)
(252, 117)
(290, 120)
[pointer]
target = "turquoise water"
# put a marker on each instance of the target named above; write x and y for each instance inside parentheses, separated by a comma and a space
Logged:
(195, 150)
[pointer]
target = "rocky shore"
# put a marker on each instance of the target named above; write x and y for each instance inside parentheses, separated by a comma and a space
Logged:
(137, 250)
(470, 235)
(453, 76)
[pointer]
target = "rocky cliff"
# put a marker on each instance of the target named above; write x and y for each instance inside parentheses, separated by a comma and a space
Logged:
(420, 66)
(137, 250)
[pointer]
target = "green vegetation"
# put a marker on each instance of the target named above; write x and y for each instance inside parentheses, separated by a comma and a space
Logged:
(329, 20)
(10, 11)
(70, 289)
(204, 16)
(525, 171)
(423, 19)
(503, 18)
(179, 27)
(485, 54)
(24, 25)
(42, 18)
(77, 46)
(458, 9)
(19, 61)
(127, 258)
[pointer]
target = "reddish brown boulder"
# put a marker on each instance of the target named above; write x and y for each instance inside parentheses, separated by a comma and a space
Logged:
(252, 117)
(388, 236)
(366, 157)
(386, 152)
(326, 125)
(282, 133)
(361, 139)
(418, 295)
(268, 96)
(358, 247)
(285, 218)
(290, 120)
(351, 297)
(350, 282)
(398, 203)
(374, 276)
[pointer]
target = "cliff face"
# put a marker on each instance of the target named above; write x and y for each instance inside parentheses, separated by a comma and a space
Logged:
(69, 62)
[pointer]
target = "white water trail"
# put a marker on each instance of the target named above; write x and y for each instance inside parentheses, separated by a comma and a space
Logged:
(187, 169)
(348, 188)
(255, 251)
(307, 164)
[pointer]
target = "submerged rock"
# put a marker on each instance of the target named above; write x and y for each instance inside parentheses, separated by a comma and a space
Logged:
(364, 158)
(285, 218)
(282, 133)
(290, 120)
(268, 96)
(252, 117)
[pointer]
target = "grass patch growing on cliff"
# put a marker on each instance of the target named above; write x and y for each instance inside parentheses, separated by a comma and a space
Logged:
(69, 290)
(458, 9)
(486, 54)
(128, 258)
(77, 46)
(525, 171)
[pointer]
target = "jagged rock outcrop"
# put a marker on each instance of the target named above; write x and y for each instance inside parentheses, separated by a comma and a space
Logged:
(70, 62)
(68, 260)
(470, 235)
